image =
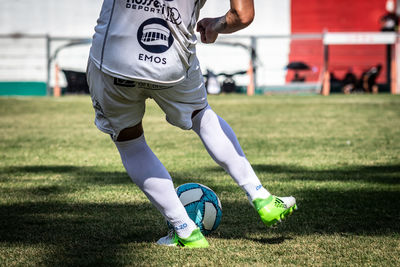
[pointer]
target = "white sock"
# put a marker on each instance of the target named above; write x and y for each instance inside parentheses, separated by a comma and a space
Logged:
(223, 146)
(150, 175)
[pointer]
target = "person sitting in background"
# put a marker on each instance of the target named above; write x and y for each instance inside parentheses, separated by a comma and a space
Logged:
(368, 79)
(298, 78)
(349, 82)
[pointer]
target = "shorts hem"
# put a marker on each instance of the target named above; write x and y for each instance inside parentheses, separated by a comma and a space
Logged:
(114, 134)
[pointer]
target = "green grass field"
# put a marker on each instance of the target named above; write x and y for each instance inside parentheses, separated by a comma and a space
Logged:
(65, 198)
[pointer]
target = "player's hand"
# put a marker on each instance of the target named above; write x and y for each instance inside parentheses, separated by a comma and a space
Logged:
(206, 28)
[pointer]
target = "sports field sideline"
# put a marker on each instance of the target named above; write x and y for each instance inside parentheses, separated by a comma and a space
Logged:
(65, 198)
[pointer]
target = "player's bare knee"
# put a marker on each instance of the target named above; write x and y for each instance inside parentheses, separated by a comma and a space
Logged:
(130, 133)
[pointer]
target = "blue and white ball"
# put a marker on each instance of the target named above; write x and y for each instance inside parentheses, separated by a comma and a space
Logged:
(202, 205)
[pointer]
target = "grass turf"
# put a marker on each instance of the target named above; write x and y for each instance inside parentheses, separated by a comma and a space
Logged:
(65, 198)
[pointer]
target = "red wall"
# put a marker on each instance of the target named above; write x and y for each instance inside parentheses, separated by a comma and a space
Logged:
(317, 16)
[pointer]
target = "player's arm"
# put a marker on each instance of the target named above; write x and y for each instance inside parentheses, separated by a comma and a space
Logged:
(239, 16)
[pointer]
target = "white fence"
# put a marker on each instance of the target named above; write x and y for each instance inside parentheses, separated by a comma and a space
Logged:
(23, 58)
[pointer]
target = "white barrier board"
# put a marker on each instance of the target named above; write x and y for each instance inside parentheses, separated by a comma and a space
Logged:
(348, 38)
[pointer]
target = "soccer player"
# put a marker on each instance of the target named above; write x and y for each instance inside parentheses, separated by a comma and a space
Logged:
(146, 49)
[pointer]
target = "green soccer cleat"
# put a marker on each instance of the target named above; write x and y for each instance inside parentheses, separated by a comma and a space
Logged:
(274, 209)
(195, 240)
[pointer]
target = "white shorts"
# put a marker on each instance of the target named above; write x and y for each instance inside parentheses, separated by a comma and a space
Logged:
(120, 104)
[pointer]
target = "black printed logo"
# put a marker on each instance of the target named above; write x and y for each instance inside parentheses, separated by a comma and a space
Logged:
(124, 83)
(155, 36)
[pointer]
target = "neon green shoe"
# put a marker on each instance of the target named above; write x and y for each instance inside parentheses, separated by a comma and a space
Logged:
(195, 240)
(274, 209)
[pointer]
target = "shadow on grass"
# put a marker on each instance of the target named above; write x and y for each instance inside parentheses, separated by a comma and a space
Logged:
(85, 233)
(272, 240)
(89, 175)
(381, 174)
(361, 212)
(79, 234)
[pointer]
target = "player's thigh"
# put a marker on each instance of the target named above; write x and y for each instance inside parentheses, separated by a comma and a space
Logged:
(180, 101)
(116, 107)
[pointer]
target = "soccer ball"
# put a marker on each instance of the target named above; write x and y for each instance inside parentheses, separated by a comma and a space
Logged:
(202, 205)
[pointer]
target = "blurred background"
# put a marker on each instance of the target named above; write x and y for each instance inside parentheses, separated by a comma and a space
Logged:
(306, 46)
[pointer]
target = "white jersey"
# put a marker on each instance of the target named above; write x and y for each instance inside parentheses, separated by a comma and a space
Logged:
(147, 40)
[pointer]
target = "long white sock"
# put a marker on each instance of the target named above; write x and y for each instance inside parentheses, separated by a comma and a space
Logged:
(223, 146)
(150, 175)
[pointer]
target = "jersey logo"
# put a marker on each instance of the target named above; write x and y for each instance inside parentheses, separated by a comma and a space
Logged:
(170, 14)
(155, 36)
